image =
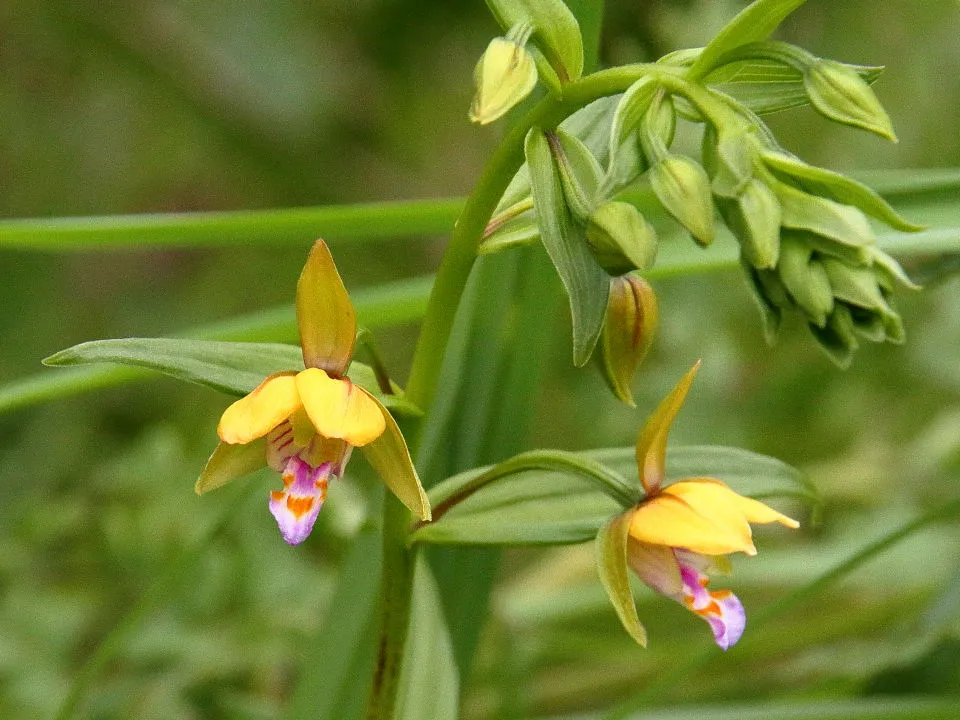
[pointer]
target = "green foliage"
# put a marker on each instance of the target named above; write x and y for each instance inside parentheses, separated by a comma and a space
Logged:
(127, 597)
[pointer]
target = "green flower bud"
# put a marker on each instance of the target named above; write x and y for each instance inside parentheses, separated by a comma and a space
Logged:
(628, 332)
(580, 173)
(621, 239)
(806, 280)
(504, 76)
(838, 339)
(683, 188)
(770, 296)
(728, 157)
(755, 221)
(855, 285)
(839, 93)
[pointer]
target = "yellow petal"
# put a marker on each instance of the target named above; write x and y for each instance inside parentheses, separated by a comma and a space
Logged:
(757, 512)
(670, 521)
(753, 511)
(253, 416)
(339, 409)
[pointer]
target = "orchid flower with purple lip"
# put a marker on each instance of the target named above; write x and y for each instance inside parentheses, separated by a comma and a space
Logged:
(305, 423)
(679, 534)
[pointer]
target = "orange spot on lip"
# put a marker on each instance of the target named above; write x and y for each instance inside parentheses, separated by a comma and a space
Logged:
(299, 506)
(287, 479)
(276, 495)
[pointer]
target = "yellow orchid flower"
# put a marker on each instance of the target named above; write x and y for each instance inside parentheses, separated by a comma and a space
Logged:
(305, 424)
(682, 531)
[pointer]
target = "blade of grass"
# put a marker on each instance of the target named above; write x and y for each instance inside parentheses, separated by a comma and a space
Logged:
(362, 221)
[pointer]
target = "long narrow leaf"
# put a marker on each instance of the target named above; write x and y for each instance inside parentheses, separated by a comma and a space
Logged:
(287, 226)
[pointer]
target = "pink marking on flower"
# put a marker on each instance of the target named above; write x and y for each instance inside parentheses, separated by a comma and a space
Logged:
(297, 506)
(720, 608)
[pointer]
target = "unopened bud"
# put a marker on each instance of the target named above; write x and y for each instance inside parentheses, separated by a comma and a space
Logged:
(580, 173)
(621, 239)
(806, 280)
(755, 221)
(683, 188)
(839, 93)
(838, 339)
(728, 157)
(628, 332)
(770, 295)
(504, 76)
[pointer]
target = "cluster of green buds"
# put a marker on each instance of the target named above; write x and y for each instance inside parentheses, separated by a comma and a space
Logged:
(805, 241)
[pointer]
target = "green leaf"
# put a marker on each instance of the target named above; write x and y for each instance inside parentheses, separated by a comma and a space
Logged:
(429, 682)
(536, 498)
(614, 574)
(234, 368)
(556, 32)
(755, 22)
(835, 186)
(586, 283)
(749, 473)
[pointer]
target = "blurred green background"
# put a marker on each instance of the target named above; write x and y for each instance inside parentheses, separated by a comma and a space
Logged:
(127, 107)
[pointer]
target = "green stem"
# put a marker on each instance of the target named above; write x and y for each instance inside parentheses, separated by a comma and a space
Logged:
(462, 250)
(455, 267)
(396, 592)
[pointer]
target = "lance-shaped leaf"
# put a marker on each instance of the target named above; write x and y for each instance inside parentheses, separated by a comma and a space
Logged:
(748, 473)
(229, 462)
(390, 457)
(586, 283)
(835, 186)
(614, 574)
(429, 682)
(755, 22)
(651, 450)
(556, 33)
(234, 368)
(325, 315)
(536, 498)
